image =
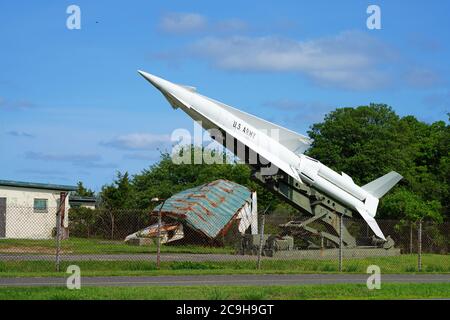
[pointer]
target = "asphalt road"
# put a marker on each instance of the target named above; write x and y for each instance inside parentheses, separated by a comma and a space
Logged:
(203, 280)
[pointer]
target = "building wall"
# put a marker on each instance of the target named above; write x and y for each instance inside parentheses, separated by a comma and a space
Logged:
(22, 221)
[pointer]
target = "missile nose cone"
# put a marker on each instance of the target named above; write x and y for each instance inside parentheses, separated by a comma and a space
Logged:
(160, 84)
(150, 78)
(145, 74)
(142, 73)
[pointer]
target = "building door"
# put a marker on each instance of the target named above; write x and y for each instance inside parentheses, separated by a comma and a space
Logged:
(2, 217)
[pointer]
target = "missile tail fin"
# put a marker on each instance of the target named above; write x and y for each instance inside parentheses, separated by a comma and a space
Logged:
(382, 185)
(371, 222)
(376, 189)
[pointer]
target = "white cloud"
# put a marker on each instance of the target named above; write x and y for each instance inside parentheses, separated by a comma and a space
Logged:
(138, 141)
(351, 60)
(183, 22)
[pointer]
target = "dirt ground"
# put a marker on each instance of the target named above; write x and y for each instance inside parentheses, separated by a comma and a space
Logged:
(22, 249)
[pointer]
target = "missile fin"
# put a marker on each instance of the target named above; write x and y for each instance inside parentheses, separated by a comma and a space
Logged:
(190, 88)
(295, 142)
(296, 174)
(372, 223)
(174, 101)
(347, 177)
(382, 185)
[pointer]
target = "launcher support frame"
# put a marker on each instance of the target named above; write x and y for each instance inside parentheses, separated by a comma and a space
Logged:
(312, 202)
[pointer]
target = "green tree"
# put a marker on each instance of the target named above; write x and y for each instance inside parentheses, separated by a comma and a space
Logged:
(364, 142)
(166, 177)
(119, 194)
(368, 141)
(82, 221)
(406, 205)
(82, 191)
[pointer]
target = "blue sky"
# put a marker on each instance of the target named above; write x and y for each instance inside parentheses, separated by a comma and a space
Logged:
(72, 106)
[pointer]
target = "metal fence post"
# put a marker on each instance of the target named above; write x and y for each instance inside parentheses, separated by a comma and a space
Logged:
(410, 237)
(58, 238)
(111, 214)
(60, 215)
(261, 240)
(341, 222)
(419, 247)
(158, 250)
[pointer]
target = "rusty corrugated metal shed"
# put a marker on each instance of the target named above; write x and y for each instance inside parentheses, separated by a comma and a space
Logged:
(207, 208)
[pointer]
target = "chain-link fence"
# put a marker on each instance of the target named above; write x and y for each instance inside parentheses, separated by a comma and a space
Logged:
(120, 241)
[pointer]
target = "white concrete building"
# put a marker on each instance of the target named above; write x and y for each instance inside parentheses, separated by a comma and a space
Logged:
(28, 210)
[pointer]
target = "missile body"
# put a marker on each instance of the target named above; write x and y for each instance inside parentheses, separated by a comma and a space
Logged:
(283, 149)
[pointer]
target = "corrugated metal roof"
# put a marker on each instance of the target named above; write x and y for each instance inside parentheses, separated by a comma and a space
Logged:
(209, 207)
(46, 186)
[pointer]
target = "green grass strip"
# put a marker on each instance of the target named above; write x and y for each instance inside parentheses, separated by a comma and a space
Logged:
(401, 264)
(338, 291)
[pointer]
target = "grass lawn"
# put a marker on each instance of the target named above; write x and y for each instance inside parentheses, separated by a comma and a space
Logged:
(401, 264)
(98, 246)
(338, 291)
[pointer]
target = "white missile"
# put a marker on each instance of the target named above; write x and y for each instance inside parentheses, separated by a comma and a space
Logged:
(285, 150)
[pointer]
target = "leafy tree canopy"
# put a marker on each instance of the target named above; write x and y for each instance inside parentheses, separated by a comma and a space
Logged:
(167, 177)
(368, 141)
(406, 205)
(82, 191)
